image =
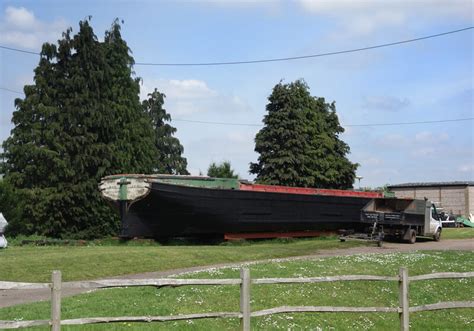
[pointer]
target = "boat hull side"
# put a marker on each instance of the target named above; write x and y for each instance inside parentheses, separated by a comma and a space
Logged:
(172, 210)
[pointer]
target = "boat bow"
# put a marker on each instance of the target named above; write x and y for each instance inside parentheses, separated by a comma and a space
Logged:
(124, 188)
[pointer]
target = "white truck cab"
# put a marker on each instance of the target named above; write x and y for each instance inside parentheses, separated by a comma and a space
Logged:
(434, 227)
(3, 226)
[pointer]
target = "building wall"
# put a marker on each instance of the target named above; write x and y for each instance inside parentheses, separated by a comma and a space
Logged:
(470, 193)
(453, 199)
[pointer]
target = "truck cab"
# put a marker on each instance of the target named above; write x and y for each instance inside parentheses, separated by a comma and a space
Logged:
(435, 225)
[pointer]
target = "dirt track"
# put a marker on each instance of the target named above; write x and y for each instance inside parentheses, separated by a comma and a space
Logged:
(14, 297)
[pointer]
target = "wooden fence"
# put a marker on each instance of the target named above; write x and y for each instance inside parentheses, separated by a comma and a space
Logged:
(245, 283)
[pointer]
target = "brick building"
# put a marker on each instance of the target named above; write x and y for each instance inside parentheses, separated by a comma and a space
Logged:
(454, 197)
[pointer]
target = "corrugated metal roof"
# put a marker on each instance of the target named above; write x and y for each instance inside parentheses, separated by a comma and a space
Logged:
(432, 184)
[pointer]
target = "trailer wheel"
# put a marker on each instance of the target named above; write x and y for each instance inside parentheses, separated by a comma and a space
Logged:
(437, 235)
(412, 239)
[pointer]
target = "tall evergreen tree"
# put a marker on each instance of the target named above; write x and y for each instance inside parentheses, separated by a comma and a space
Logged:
(299, 144)
(135, 148)
(9, 207)
(222, 170)
(79, 121)
(169, 158)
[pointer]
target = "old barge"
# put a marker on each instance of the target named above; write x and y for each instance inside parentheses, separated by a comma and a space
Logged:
(170, 206)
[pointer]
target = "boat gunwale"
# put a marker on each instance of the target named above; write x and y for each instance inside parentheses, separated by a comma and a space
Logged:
(262, 193)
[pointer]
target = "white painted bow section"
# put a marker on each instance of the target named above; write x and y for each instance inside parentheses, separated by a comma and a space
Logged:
(136, 188)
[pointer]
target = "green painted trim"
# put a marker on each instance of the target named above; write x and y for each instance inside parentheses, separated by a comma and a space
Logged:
(192, 181)
(217, 183)
(123, 188)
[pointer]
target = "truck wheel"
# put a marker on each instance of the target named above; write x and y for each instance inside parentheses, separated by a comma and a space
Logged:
(437, 235)
(412, 239)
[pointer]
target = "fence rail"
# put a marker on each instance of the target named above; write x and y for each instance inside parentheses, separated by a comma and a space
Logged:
(245, 283)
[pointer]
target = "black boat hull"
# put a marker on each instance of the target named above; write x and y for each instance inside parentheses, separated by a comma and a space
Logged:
(175, 210)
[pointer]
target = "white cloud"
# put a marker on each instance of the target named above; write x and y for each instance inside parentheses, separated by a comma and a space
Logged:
(235, 145)
(270, 7)
(467, 168)
(387, 103)
(186, 89)
(392, 140)
(421, 152)
(194, 99)
(390, 10)
(362, 18)
(190, 96)
(242, 137)
(417, 141)
(19, 27)
(20, 18)
(427, 137)
(373, 161)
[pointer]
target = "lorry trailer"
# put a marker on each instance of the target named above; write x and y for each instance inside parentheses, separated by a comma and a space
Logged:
(404, 219)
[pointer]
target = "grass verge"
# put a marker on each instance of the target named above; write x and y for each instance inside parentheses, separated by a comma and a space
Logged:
(193, 299)
(35, 264)
(457, 233)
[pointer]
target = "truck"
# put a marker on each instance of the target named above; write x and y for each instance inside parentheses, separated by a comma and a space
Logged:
(401, 218)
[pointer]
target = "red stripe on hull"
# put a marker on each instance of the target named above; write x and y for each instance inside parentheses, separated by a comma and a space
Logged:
(306, 190)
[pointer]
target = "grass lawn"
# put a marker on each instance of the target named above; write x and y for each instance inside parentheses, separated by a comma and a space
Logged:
(35, 263)
(194, 299)
(106, 258)
(457, 233)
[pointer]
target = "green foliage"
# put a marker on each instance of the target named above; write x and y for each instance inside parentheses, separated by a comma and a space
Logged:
(10, 207)
(169, 159)
(133, 134)
(79, 121)
(299, 144)
(221, 170)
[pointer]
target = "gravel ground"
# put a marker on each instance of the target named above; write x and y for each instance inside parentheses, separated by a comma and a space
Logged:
(15, 297)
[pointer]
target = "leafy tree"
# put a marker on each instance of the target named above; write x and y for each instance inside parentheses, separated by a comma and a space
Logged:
(169, 159)
(79, 121)
(299, 144)
(10, 206)
(222, 170)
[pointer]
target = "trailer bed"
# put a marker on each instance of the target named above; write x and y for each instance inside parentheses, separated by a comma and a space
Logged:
(394, 211)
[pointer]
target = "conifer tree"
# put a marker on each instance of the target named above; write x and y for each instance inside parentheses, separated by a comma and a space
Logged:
(9, 207)
(169, 158)
(79, 121)
(299, 144)
(135, 148)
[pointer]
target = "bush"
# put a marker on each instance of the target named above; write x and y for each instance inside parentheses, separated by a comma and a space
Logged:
(10, 207)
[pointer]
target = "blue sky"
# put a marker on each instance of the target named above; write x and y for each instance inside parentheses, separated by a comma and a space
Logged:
(422, 81)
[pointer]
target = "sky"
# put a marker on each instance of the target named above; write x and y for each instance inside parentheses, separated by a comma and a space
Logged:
(428, 80)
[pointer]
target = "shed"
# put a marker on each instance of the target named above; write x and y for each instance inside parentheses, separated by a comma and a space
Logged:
(454, 197)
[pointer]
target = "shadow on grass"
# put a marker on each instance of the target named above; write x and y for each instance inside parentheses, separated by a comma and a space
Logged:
(179, 241)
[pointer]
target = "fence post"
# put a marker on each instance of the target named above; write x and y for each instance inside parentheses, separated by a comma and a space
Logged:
(245, 299)
(403, 285)
(56, 301)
